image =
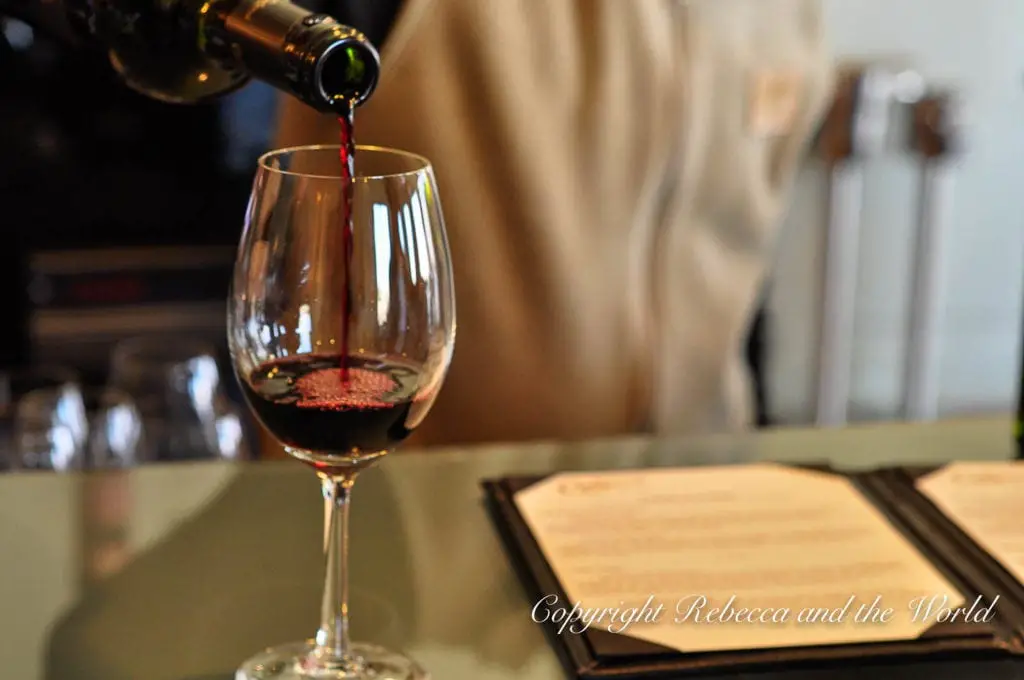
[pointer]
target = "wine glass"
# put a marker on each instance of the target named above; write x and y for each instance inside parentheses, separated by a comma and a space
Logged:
(43, 411)
(176, 387)
(116, 432)
(341, 325)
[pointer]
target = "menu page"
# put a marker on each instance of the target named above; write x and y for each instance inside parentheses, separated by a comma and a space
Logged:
(726, 558)
(985, 500)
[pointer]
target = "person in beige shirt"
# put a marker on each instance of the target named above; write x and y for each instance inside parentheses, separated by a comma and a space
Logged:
(612, 173)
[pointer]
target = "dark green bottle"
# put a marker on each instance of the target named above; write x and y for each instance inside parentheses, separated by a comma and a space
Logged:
(187, 51)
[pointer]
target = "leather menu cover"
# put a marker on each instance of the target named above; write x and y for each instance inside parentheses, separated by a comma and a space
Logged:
(897, 488)
(985, 649)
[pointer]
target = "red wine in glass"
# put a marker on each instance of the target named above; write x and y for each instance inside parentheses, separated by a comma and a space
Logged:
(305, 404)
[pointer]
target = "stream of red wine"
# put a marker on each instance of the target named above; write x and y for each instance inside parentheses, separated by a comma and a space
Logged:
(348, 171)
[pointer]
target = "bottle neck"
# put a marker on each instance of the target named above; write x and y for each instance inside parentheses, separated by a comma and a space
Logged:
(325, 64)
(193, 50)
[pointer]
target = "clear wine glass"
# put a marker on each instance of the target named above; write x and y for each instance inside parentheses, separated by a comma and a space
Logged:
(43, 411)
(175, 385)
(116, 431)
(341, 334)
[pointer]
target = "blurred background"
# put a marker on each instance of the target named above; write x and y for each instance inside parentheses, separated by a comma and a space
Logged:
(121, 217)
(974, 49)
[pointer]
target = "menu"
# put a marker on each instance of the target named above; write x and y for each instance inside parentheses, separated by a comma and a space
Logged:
(731, 558)
(986, 501)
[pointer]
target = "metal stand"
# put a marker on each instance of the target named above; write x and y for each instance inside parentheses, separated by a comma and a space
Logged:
(856, 128)
(842, 246)
(933, 137)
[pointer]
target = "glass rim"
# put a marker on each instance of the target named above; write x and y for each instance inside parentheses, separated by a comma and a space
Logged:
(264, 161)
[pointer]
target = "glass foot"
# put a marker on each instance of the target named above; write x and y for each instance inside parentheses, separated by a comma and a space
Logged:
(293, 662)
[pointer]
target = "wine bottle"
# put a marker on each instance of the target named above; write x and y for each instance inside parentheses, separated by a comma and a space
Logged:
(188, 51)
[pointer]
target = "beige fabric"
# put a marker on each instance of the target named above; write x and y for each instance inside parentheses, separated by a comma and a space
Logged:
(610, 207)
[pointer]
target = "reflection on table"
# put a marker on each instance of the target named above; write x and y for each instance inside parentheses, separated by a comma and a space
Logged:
(178, 572)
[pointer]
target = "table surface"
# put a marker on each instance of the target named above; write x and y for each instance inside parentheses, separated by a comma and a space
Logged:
(178, 572)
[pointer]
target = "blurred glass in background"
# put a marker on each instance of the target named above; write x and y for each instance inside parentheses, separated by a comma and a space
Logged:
(175, 386)
(44, 421)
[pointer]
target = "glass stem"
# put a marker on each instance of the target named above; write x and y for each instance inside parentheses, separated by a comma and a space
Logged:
(332, 640)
